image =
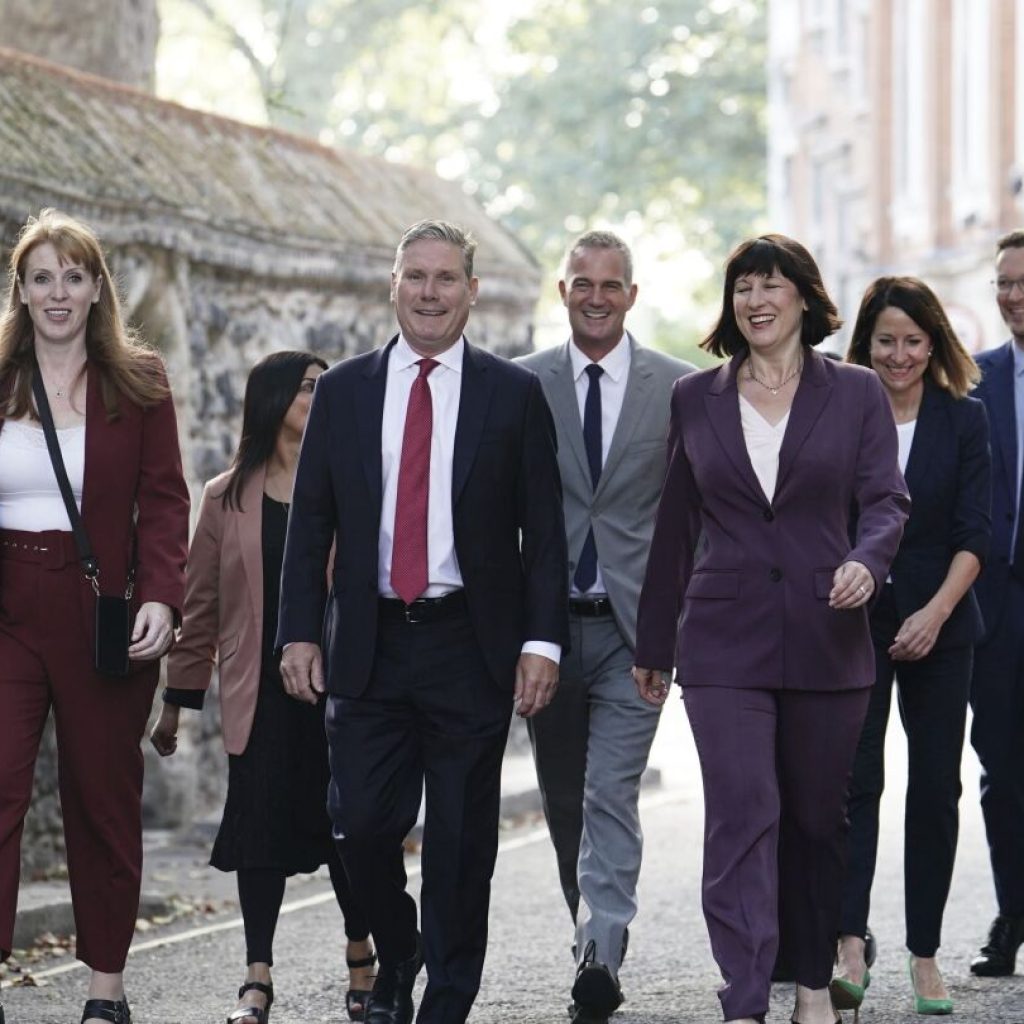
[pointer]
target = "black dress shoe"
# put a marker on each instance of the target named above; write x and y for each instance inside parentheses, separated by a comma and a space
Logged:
(595, 993)
(390, 1001)
(998, 956)
(870, 948)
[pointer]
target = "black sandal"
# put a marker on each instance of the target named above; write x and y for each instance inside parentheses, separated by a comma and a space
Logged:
(356, 998)
(261, 1016)
(114, 1010)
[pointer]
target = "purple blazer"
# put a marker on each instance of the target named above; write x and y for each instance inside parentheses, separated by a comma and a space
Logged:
(736, 590)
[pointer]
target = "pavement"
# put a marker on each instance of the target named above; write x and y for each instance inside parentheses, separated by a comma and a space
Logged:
(184, 971)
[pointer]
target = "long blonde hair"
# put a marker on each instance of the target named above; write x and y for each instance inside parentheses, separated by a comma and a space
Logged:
(125, 366)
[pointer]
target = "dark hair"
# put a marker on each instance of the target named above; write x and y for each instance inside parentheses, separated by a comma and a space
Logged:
(764, 256)
(1011, 240)
(270, 390)
(950, 366)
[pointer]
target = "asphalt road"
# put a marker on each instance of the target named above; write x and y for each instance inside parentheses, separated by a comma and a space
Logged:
(187, 974)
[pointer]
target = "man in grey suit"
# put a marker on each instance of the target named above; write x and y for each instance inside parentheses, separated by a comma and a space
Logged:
(610, 400)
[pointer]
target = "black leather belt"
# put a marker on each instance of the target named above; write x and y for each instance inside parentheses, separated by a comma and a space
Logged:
(423, 609)
(590, 607)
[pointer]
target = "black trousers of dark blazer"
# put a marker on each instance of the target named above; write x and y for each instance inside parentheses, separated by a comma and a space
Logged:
(933, 708)
(431, 715)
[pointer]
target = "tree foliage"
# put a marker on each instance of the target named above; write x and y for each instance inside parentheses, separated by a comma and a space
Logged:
(558, 115)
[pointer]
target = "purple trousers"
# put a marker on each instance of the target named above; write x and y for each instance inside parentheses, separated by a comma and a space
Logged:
(775, 767)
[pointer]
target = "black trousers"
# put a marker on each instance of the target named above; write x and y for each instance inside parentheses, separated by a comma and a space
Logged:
(997, 734)
(932, 699)
(431, 716)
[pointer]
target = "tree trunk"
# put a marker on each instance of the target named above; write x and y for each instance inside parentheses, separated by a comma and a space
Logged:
(114, 39)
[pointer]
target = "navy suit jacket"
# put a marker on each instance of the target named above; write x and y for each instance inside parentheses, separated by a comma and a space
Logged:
(748, 606)
(949, 478)
(996, 393)
(506, 509)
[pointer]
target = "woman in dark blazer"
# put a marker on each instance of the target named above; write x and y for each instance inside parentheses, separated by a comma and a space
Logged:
(275, 820)
(924, 624)
(116, 428)
(756, 594)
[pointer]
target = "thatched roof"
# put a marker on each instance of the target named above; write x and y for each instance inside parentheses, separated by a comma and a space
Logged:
(221, 192)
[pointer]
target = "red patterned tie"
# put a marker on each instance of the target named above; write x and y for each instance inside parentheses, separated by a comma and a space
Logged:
(409, 544)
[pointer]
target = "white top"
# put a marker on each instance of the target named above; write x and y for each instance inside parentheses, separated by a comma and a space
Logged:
(905, 435)
(29, 496)
(763, 444)
(613, 392)
(445, 383)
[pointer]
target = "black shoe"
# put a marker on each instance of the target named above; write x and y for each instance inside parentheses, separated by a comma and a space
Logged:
(870, 948)
(114, 1010)
(998, 956)
(390, 1001)
(595, 993)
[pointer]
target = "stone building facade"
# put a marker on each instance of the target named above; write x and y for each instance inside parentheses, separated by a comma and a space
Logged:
(896, 133)
(228, 241)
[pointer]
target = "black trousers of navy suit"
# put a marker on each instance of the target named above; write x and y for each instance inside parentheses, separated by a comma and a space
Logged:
(431, 716)
(933, 696)
(997, 734)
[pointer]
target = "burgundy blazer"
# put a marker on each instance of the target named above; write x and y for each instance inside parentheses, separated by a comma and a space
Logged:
(131, 461)
(224, 607)
(736, 590)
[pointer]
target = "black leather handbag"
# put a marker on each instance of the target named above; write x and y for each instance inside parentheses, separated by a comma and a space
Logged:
(113, 615)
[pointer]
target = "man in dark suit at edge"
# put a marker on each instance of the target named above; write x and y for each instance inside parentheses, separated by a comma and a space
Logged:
(997, 687)
(432, 465)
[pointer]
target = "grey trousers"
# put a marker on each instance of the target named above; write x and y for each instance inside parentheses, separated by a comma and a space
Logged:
(591, 746)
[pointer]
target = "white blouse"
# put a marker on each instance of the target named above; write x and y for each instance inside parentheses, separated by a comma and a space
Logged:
(29, 496)
(763, 444)
(905, 436)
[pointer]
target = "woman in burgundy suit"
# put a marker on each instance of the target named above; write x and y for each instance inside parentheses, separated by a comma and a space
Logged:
(756, 595)
(116, 429)
(275, 820)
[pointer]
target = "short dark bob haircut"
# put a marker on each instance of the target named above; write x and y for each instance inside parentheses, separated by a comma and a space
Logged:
(764, 256)
(950, 366)
(269, 392)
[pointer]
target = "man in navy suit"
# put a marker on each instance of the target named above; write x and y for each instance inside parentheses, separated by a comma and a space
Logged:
(431, 465)
(997, 689)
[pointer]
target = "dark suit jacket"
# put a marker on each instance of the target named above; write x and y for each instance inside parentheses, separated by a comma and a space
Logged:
(506, 505)
(754, 598)
(949, 479)
(996, 393)
(132, 461)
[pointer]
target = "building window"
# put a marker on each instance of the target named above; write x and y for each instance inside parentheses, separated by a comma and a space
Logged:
(972, 61)
(911, 35)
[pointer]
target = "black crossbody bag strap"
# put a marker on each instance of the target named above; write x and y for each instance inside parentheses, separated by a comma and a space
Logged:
(90, 567)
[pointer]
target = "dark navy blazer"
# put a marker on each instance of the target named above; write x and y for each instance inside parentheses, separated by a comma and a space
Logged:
(949, 478)
(996, 393)
(506, 512)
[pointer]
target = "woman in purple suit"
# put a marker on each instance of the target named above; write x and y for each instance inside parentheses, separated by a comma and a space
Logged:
(756, 595)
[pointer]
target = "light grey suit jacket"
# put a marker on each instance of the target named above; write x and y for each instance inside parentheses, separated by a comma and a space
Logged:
(621, 510)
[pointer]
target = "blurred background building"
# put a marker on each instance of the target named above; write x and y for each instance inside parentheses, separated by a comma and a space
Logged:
(896, 143)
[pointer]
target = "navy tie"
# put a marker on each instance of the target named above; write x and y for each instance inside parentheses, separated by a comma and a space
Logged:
(586, 570)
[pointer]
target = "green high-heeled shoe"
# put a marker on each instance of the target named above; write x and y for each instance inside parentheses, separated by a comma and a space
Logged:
(923, 1005)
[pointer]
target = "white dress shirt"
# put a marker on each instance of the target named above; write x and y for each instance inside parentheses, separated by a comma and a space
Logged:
(613, 392)
(445, 383)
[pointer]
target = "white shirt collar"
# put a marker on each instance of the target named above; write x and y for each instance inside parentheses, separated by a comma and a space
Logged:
(403, 356)
(615, 363)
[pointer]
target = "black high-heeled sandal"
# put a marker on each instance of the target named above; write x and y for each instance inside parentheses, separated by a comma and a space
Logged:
(261, 1016)
(116, 1011)
(355, 998)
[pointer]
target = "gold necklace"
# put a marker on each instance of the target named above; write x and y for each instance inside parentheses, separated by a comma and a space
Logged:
(776, 388)
(60, 390)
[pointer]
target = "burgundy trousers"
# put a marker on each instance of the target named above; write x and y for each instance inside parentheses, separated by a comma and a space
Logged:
(46, 660)
(775, 767)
